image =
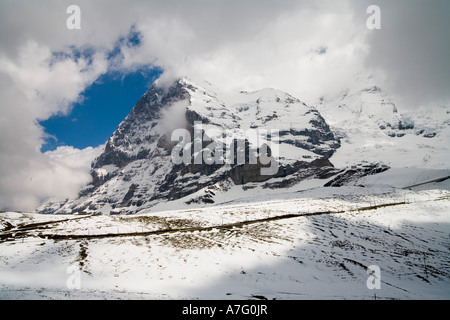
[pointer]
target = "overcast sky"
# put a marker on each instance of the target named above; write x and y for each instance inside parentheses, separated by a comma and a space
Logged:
(307, 48)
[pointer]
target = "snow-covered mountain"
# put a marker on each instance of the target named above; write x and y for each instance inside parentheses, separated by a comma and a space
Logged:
(347, 196)
(359, 133)
(242, 134)
(373, 128)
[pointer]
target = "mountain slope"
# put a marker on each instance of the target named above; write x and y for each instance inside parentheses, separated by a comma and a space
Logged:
(239, 139)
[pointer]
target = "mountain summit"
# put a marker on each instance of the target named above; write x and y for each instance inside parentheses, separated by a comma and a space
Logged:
(222, 140)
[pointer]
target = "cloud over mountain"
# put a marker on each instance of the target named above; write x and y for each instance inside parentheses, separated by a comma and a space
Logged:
(307, 48)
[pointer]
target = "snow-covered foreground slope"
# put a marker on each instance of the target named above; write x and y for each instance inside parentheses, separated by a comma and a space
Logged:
(313, 244)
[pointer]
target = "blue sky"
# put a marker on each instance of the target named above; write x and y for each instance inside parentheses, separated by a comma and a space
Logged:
(105, 104)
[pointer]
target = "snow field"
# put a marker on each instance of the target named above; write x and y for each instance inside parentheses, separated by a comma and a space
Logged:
(308, 257)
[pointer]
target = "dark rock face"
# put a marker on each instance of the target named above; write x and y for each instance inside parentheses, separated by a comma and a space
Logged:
(401, 126)
(135, 169)
(315, 138)
(356, 172)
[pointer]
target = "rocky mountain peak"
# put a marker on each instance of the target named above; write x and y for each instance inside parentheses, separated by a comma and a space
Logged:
(245, 137)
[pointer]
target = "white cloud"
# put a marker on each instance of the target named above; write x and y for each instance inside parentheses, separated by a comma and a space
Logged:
(51, 84)
(252, 47)
(411, 51)
(40, 179)
(35, 86)
(74, 158)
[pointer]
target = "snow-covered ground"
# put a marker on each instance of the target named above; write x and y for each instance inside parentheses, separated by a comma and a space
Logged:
(303, 244)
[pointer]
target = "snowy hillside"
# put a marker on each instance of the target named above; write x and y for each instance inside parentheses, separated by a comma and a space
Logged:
(314, 244)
